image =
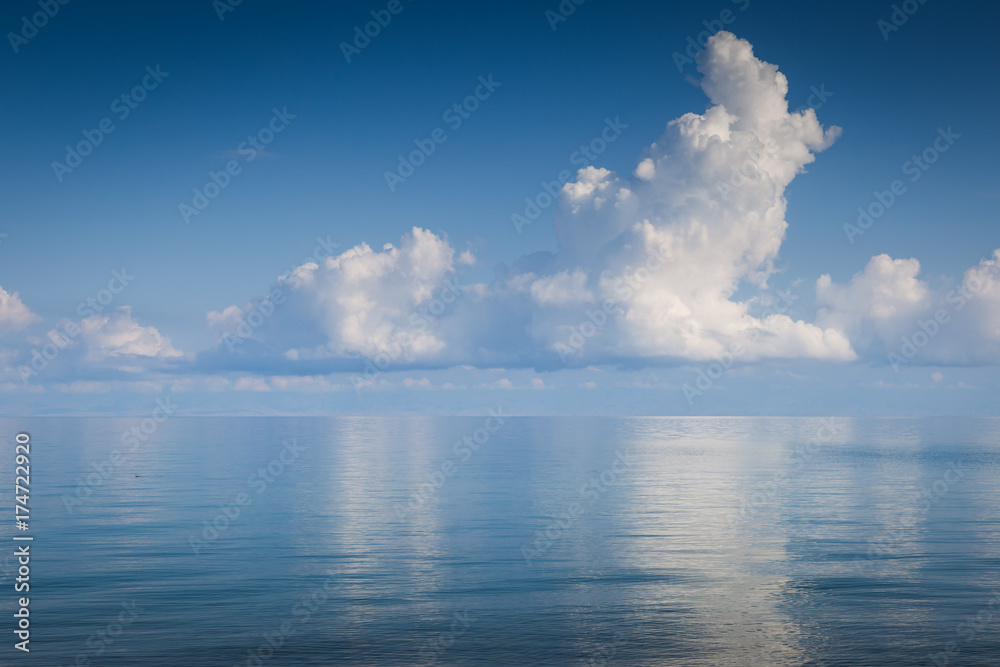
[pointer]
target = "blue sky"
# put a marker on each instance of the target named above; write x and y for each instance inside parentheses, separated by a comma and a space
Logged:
(892, 93)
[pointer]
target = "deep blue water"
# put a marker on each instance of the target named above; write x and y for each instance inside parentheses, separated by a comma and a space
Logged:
(556, 541)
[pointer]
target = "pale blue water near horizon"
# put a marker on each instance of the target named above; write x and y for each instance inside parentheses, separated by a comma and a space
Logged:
(556, 541)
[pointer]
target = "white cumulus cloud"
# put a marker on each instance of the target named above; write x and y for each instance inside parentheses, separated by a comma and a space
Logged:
(886, 309)
(14, 315)
(118, 335)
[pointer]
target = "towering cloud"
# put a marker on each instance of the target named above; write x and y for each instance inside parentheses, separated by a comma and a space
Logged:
(704, 213)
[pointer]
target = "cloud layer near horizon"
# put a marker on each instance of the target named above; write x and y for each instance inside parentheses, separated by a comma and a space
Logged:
(647, 272)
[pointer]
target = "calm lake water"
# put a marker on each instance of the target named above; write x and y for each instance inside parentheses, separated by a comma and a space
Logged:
(548, 541)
